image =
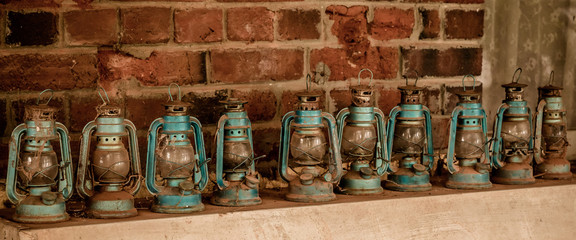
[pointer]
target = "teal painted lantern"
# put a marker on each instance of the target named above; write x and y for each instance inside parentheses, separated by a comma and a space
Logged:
(176, 171)
(410, 139)
(362, 135)
(109, 176)
(236, 178)
(551, 142)
(468, 143)
(313, 164)
(512, 142)
(39, 182)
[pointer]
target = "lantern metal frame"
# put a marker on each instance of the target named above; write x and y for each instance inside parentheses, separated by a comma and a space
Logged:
(177, 194)
(312, 183)
(38, 203)
(364, 171)
(512, 159)
(468, 117)
(108, 200)
(551, 142)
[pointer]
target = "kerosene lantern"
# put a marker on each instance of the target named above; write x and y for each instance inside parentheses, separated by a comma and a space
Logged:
(551, 142)
(361, 131)
(236, 177)
(512, 142)
(38, 183)
(410, 137)
(176, 172)
(467, 142)
(313, 171)
(110, 175)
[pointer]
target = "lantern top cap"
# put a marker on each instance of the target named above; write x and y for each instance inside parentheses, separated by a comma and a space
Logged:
(106, 110)
(40, 111)
(308, 92)
(469, 92)
(233, 101)
(514, 83)
(550, 87)
(413, 87)
(177, 107)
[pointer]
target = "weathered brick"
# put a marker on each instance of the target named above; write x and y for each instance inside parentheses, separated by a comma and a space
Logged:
(388, 98)
(250, 24)
(18, 107)
(432, 99)
(451, 99)
(261, 103)
(91, 27)
(143, 110)
(259, 0)
(158, 0)
(240, 66)
(82, 110)
(446, 1)
(145, 25)
(449, 62)
(290, 100)
(206, 106)
(22, 4)
(462, 24)
(341, 98)
(3, 118)
(266, 142)
(159, 69)
(431, 23)
(41, 71)
(298, 24)
(197, 25)
(350, 27)
(392, 23)
(382, 61)
(440, 131)
(29, 29)
(4, 148)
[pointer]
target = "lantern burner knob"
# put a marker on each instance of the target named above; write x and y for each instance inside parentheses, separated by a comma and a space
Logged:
(307, 178)
(251, 181)
(366, 172)
(49, 198)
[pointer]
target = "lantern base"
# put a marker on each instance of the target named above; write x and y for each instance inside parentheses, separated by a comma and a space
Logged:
(354, 183)
(555, 168)
(174, 202)
(235, 195)
(318, 191)
(514, 174)
(405, 180)
(468, 178)
(111, 204)
(33, 210)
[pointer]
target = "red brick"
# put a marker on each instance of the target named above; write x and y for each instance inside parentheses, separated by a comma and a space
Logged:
(198, 25)
(440, 131)
(388, 98)
(392, 23)
(431, 23)
(350, 27)
(451, 99)
(341, 98)
(20, 4)
(261, 103)
(381, 60)
(144, 109)
(289, 101)
(41, 71)
(160, 69)
(298, 24)
(3, 119)
(449, 62)
(250, 24)
(91, 27)
(82, 110)
(206, 106)
(240, 66)
(462, 24)
(31, 29)
(145, 25)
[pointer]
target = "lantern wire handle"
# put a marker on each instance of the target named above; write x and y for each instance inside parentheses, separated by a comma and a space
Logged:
(308, 80)
(101, 89)
(473, 85)
(551, 78)
(415, 81)
(170, 92)
(519, 71)
(371, 75)
(39, 95)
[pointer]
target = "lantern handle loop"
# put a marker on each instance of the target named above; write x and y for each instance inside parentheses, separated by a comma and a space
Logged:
(51, 95)
(415, 81)
(551, 78)
(101, 89)
(371, 75)
(519, 71)
(473, 85)
(170, 92)
(308, 82)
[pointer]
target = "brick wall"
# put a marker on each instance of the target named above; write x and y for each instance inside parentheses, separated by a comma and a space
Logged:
(254, 49)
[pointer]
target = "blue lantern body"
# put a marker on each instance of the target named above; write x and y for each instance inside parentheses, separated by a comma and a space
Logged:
(236, 177)
(551, 142)
(37, 168)
(467, 144)
(513, 143)
(410, 137)
(176, 172)
(361, 131)
(313, 177)
(109, 176)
